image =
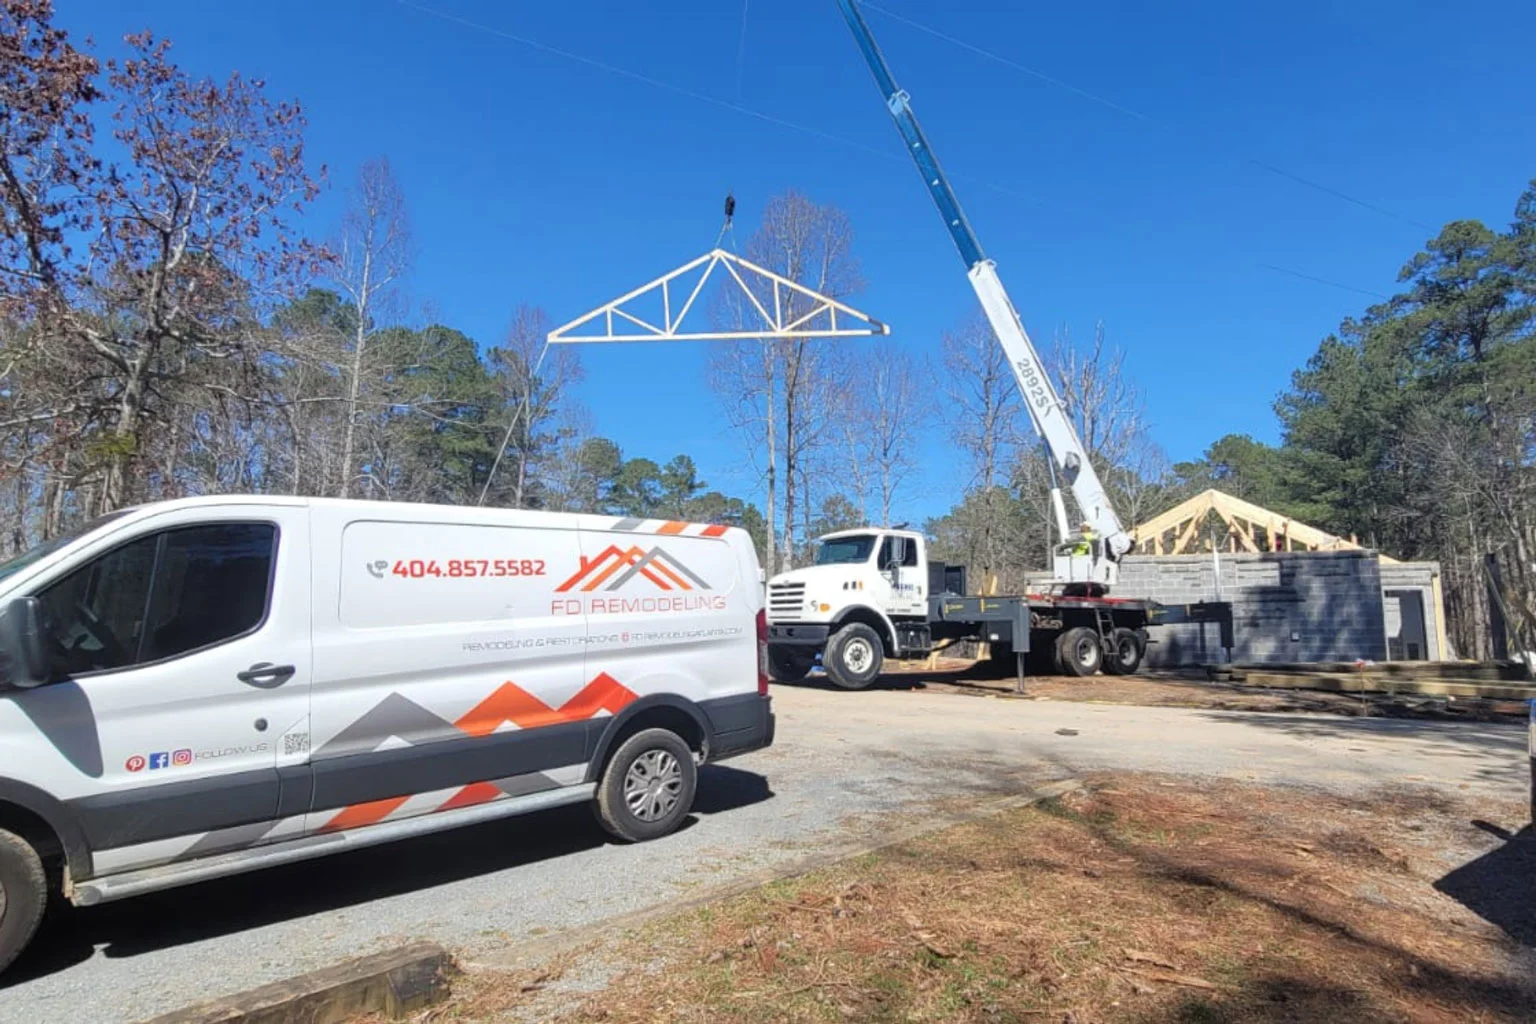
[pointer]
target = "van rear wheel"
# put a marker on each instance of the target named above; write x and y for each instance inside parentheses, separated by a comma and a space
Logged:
(648, 787)
(854, 656)
(23, 895)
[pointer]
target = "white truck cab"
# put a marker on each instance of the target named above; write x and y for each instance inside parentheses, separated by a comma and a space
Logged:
(863, 599)
(208, 686)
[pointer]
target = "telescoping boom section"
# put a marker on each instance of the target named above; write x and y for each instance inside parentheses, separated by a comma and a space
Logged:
(1046, 411)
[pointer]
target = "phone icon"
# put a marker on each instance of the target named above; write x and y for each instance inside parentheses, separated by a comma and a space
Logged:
(376, 569)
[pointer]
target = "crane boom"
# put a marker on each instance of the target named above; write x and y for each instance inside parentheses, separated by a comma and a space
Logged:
(1046, 412)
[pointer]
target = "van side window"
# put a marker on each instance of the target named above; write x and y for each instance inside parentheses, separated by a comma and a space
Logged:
(160, 596)
(210, 585)
(95, 615)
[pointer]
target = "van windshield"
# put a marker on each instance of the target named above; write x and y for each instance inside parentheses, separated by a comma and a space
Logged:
(845, 550)
(38, 552)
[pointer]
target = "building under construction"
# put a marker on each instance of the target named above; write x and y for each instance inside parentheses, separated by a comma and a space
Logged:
(1298, 594)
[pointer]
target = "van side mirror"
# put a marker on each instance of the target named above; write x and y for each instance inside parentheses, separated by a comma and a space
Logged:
(23, 652)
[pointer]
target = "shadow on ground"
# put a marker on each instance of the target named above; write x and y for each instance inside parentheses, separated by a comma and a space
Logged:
(1500, 886)
(1500, 747)
(70, 935)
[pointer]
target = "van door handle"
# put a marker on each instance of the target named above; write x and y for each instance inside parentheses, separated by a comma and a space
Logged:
(265, 675)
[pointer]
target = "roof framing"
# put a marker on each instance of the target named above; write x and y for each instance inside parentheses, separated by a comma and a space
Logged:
(1243, 519)
(773, 305)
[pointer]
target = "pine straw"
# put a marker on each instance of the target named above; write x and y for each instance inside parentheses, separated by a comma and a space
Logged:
(1141, 899)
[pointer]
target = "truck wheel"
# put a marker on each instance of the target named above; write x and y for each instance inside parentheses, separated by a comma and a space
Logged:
(1079, 653)
(1125, 652)
(23, 895)
(854, 656)
(789, 666)
(647, 789)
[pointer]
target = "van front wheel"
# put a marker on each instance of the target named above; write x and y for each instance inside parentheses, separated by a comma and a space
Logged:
(23, 895)
(647, 789)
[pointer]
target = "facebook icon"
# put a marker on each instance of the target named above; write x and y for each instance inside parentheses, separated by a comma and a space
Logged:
(159, 760)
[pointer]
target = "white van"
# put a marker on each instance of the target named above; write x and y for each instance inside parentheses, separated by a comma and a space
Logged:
(208, 686)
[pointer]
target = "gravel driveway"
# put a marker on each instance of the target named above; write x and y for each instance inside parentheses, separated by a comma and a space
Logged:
(844, 763)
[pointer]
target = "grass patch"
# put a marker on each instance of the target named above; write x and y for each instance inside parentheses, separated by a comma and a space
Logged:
(1133, 900)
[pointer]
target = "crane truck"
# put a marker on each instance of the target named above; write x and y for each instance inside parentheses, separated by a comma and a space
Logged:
(874, 593)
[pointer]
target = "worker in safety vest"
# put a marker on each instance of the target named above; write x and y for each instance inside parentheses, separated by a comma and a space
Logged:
(1084, 542)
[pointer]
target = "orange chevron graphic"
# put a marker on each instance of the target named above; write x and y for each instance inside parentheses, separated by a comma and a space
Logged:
(359, 815)
(604, 693)
(659, 566)
(509, 703)
(470, 795)
(619, 560)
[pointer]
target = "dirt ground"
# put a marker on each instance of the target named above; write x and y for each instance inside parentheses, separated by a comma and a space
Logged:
(1139, 898)
(1186, 691)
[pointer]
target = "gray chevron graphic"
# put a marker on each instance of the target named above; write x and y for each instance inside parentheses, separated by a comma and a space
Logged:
(393, 716)
(654, 555)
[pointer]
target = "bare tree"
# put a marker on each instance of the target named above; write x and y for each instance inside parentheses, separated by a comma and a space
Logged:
(776, 391)
(984, 400)
(535, 380)
(984, 411)
(884, 412)
(372, 253)
(1110, 415)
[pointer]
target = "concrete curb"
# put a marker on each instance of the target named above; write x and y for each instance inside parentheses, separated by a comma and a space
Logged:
(395, 983)
(536, 951)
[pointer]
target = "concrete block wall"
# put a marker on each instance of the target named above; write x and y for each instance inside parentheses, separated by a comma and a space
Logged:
(1420, 577)
(1286, 606)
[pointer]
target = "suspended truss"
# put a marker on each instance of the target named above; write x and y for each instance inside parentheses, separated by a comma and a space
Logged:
(764, 304)
(1249, 527)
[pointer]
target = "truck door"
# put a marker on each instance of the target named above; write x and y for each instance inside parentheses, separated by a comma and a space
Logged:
(182, 666)
(905, 580)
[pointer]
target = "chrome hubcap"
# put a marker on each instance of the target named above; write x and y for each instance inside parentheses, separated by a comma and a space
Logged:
(858, 654)
(653, 785)
(2, 903)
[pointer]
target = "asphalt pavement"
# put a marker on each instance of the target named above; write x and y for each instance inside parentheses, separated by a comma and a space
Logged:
(845, 766)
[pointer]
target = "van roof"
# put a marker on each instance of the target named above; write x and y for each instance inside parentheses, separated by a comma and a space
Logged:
(396, 509)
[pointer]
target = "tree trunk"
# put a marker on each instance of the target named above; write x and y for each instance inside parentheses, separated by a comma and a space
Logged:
(770, 417)
(355, 385)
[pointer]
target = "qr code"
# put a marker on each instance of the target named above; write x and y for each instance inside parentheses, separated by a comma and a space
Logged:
(296, 743)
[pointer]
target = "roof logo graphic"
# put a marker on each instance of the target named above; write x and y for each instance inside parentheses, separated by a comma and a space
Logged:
(615, 567)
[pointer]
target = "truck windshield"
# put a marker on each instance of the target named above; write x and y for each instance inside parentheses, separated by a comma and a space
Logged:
(38, 552)
(845, 550)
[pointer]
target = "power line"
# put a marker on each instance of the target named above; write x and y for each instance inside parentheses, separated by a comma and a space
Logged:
(614, 69)
(703, 97)
(1007, 62)
(759, 115)
(1127, 111)
(1324, 280)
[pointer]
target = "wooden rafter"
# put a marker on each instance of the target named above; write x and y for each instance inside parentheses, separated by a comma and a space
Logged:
(1243, 520)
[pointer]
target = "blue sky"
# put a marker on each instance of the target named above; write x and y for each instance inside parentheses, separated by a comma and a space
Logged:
(535, 178)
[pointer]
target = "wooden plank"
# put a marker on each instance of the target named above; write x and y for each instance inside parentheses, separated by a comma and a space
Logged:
(1359, 683)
